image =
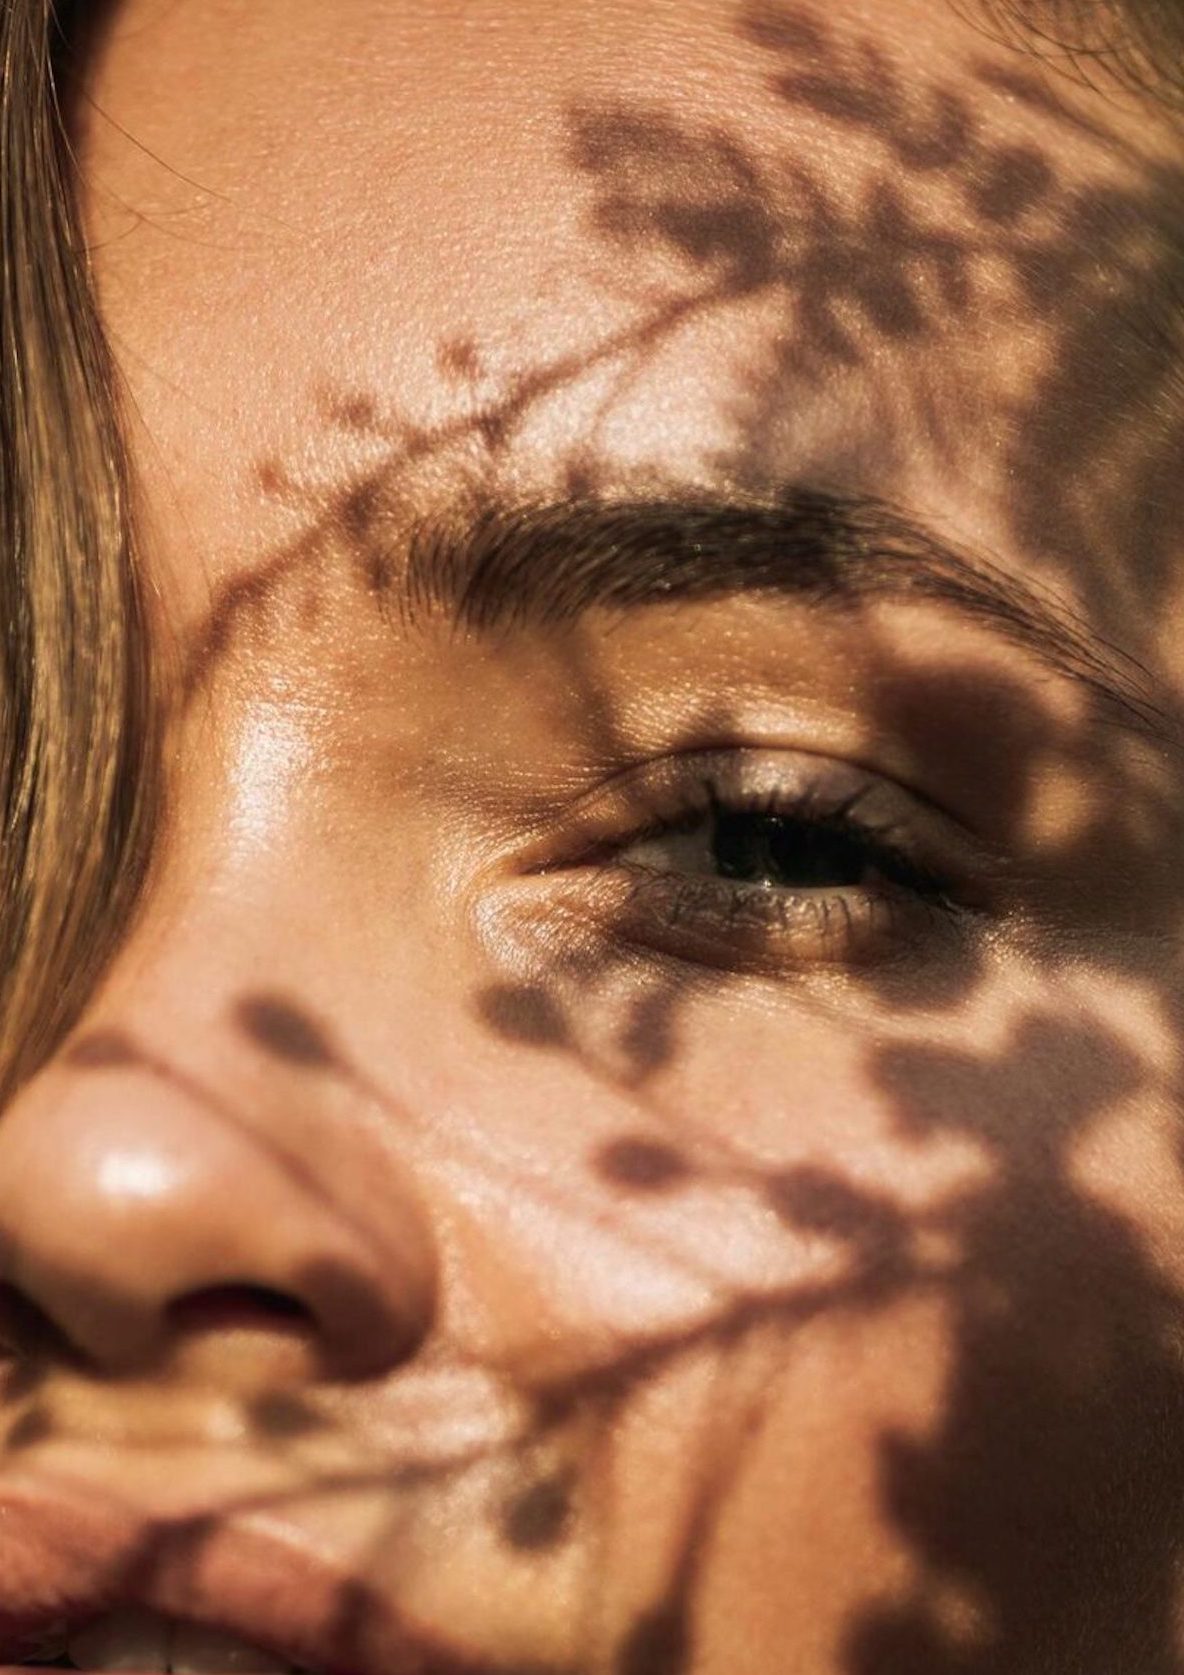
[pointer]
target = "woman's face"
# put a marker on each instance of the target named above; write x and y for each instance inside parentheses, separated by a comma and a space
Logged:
(637, 1127)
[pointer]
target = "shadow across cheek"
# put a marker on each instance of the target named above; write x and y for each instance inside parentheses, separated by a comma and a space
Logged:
(287, 1032)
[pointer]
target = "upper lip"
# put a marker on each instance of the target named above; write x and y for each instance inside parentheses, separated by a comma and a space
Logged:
(67, 1557)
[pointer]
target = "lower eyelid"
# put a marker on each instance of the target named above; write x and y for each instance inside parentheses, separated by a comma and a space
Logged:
(747, 927)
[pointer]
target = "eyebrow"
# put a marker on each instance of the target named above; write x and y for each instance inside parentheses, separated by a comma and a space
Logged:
(546, 564)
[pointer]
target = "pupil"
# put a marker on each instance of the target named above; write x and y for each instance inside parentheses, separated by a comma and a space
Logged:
(790, 854)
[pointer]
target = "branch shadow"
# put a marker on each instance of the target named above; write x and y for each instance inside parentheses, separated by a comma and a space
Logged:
(1046, 1496)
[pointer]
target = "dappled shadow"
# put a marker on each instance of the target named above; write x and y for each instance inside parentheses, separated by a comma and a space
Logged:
(1039, 1511)
(1093, 486)
(949, 227)
(1055, 1457)
(1047, 1496)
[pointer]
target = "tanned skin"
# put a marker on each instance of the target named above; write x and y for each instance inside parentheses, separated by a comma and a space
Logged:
(637, 1128)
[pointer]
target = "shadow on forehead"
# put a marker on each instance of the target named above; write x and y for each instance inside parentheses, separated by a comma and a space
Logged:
(949, 231)
(948, 221)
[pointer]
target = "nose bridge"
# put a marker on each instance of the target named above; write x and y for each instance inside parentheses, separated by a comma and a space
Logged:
(202, 1152)
(157, 1185)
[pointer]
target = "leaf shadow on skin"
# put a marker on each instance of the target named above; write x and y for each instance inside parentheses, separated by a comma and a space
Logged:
(1044, 1501)
(1054, 1456)
(1048, 1494)
(1098, 266)
(1057, 1457)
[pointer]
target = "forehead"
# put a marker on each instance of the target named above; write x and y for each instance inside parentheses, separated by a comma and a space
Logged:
(638, 243)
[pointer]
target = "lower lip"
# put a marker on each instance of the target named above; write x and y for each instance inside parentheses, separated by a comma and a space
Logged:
(63, 1546)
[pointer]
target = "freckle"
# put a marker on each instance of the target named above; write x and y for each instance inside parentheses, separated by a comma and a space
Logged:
(1018, 178)
(285, 1031)
(785, 31)
(579, 479)
(643, 1165)
(378, 572)
(271, 477)
(102, 1050)
(535, 1519)
(812, 1200)
(278, 1414)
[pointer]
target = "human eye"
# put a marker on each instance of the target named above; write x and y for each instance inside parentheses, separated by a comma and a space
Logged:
(777, 859)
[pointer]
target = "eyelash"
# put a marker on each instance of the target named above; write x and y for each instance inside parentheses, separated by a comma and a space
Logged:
(873, 843)
(716, 920)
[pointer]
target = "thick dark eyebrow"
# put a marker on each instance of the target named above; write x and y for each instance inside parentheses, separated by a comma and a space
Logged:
(544, 564)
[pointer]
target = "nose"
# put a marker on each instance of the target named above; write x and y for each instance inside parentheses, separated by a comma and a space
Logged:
(144, 1220)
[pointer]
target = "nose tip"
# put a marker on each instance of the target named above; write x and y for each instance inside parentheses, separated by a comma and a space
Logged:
(139, 1224)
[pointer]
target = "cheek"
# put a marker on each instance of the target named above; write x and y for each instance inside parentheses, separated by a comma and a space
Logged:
(810, 1541)
(587, 1216)
(728, 1487)
(1132, 1170)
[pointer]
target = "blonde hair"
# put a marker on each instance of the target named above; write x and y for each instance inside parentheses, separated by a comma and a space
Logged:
(74, 730)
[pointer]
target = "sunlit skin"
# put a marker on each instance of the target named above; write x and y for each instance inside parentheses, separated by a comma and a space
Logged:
(455, 1183)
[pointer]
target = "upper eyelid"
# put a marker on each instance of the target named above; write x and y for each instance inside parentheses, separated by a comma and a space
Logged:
(553, 561)
(622, 807)
(825, 760)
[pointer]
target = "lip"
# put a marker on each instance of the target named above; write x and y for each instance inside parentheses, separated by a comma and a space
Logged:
(66, 1557)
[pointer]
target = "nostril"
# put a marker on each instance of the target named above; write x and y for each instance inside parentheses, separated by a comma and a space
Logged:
(184, 1239)
(27, 1333)
(226, 1307)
